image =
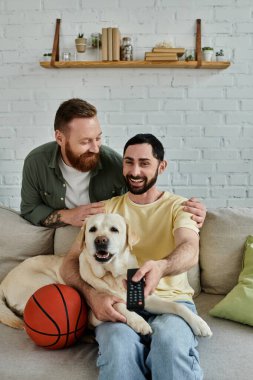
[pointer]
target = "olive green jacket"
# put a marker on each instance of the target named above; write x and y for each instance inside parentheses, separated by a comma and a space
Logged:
(44, 188)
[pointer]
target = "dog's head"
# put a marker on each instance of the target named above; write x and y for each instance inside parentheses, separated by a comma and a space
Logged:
(106, 236)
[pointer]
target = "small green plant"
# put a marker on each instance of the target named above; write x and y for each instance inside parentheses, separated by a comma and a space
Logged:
(190, 55)
(207, 48)
(80, 35)
(189, 58)
(47, 55)
(220, 53)
(96, 40)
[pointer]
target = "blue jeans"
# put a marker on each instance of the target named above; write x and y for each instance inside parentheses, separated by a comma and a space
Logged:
(168, 354)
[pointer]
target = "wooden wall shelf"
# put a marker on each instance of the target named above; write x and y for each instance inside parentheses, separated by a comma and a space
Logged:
(136, 64)
(198, 64)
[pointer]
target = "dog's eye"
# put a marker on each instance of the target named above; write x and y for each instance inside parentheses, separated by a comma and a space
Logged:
(93, 229)
(114, 229)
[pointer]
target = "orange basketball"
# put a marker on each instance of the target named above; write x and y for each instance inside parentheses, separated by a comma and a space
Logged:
(55, 316)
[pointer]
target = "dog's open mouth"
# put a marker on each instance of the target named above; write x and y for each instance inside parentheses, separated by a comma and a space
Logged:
(103, 256)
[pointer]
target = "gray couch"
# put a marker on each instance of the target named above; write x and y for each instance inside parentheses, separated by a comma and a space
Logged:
(226, 356)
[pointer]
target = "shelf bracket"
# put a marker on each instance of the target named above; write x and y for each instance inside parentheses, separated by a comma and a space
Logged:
(55, 50)
(198, 44)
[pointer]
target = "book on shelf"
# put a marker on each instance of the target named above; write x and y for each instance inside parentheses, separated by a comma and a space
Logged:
(169, 55)
(104, 44)
(109, 44)
(115, 44)
(178, 51)
(158, 58)
(161, 57)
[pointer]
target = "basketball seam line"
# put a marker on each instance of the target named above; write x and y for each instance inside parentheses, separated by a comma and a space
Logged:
(79, 315)
(48, 334)
(66, 311)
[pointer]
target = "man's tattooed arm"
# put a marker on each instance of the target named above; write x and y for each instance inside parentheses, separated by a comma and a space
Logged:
(53, 220)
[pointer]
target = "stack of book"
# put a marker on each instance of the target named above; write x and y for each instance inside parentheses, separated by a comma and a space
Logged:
(110, 44)
(164, 54)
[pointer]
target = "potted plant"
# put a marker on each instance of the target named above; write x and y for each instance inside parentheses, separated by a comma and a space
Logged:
(207, 53)
(47, 57)
(190, 55)
(96, 40)
(220, 56)
(80, 43)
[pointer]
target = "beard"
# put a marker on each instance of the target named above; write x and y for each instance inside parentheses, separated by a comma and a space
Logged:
(137, 190)
(84, 162)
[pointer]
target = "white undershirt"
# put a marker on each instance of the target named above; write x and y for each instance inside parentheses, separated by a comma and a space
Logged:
(77, 185)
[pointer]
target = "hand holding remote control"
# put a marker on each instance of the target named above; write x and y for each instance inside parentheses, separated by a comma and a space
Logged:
(135, 292)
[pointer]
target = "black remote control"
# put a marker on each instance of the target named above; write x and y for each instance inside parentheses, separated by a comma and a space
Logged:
(135, 292)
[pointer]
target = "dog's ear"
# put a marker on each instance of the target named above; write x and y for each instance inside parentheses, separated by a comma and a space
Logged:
(132, 238)
(81, 236)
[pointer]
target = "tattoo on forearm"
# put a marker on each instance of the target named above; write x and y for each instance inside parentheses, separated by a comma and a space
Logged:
(53, 220)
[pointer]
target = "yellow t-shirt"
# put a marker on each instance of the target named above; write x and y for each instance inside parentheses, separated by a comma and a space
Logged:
(155, 224)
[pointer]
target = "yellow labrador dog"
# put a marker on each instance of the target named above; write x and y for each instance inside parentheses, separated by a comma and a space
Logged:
(106, 242)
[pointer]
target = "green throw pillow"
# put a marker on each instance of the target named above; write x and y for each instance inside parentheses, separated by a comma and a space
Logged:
(238, 304)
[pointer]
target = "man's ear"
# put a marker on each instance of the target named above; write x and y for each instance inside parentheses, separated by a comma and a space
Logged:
(132, 238)
(162, 166)
(81, 236)
(59, 137)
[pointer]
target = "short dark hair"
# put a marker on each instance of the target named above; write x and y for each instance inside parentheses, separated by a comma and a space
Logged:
(70, 109)
(147, 138)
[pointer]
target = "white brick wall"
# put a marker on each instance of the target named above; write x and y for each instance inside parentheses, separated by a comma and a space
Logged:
(204, 117)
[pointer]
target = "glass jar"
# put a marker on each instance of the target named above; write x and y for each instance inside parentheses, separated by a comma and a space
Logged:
(96, 40)
(66, 56)
(190, 55)
(126, 49)
(96, 44)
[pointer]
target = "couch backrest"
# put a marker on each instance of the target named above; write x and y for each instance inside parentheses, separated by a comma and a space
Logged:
(222, 241)
(64, 238)
(19, 240)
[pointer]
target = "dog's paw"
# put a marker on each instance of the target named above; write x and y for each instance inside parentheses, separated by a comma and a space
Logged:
(201, 328)
(140, 326)
(17, 324)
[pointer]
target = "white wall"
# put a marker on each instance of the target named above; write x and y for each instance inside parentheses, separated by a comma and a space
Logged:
(203, 117)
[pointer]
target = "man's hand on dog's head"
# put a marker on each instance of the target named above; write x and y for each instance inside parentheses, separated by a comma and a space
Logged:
(76, 216)
(102, 303)
(152, 271)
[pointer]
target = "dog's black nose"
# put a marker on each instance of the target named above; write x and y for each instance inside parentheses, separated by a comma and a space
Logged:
(101, 240)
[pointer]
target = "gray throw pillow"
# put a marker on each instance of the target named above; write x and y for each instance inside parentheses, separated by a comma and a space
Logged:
(222, 239)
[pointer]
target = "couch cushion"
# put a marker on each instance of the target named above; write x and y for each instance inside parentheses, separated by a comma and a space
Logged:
(194, 279)
(227, 355)
(221, 247)
(64, 238)
(238, 304)
(21, 359)
(19, 240)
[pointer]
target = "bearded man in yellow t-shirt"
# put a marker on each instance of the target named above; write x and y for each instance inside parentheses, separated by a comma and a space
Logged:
(167, 249)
